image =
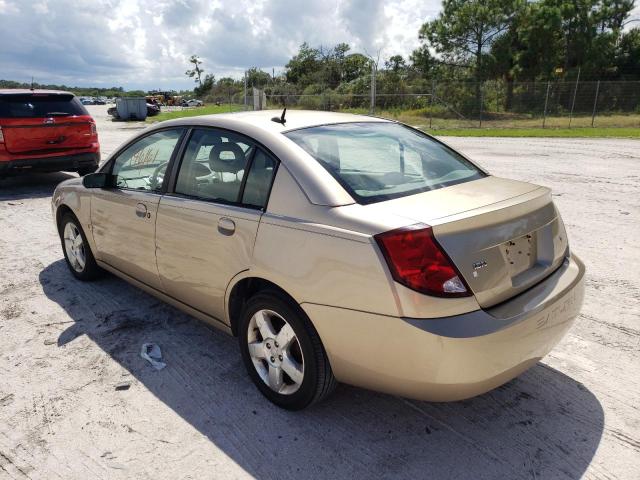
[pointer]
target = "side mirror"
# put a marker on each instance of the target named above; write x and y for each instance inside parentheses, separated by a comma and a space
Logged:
(98, 180)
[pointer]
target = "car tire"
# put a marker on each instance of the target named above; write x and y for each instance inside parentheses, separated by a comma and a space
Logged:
(305, 374)
(76, 249)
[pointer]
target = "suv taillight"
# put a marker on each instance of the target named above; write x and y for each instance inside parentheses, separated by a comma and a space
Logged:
(1, 136)
(94, 130)
(417, 261)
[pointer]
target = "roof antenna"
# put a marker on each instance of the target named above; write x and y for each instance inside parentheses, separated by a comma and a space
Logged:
(280, 119)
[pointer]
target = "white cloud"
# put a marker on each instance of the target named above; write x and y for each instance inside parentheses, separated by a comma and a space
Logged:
(146, 43)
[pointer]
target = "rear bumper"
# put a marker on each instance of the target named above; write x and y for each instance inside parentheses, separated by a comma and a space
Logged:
(455, 357)
(50, 164)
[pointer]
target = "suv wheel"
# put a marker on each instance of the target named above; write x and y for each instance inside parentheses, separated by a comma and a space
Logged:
(283, 353)
(76, 249)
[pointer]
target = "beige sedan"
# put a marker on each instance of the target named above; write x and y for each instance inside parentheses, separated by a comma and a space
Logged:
(337, 248)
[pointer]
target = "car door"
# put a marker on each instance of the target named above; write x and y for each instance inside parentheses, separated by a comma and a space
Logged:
(123, 218)
(207, 225)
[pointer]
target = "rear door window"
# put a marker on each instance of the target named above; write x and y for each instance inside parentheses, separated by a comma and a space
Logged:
(214, 165)
(225, 167)
(37, 106)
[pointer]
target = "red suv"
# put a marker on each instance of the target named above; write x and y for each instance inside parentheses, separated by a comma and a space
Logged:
(47, 131)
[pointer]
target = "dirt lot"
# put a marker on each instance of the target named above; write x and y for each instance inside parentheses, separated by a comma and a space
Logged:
(65, 346)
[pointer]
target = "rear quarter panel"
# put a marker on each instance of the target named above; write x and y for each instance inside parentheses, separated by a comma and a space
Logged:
(327, 256)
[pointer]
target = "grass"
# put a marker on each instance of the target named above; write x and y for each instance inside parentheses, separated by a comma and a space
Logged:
(497, 125)
(193, 112)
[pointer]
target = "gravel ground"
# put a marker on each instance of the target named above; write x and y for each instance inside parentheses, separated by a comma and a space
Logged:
(68, 351)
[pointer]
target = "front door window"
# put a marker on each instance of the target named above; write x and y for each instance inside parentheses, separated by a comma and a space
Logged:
(142, 166)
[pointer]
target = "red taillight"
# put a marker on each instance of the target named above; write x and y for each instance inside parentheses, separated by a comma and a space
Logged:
(418, 262)
(94, 130)
(1, 136)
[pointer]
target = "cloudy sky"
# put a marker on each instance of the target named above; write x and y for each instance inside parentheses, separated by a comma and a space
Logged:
(146, 43)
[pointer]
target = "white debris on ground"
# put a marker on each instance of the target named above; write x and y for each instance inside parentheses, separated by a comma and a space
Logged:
(152, 354)
(77, 401)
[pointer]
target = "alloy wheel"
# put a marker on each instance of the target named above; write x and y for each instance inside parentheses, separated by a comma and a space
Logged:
(74, 247)
(275, 352)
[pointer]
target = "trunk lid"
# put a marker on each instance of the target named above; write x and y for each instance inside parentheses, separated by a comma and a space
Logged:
(32, 136)
(504, 236)
(44, 123)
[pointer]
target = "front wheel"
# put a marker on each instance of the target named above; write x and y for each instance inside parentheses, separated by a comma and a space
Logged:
(283, 353)
(76, 249)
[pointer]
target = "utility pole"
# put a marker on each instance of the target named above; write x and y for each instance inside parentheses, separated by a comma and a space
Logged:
(575, 93)
(372, 107)
(245, 90)
(595, 103)
(432, 99)
(546, 102)
(481, 101)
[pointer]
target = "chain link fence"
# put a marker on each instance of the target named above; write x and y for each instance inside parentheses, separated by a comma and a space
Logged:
(490, 104)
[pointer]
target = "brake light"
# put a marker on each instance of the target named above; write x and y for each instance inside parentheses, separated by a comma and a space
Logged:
(94, 130)
(417, 261)
(1, 136)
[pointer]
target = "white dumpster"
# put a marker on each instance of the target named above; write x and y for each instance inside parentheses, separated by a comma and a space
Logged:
(131, 108)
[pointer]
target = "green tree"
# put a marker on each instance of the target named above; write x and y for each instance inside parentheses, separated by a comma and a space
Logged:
(354, 66)
(303, 66)
(196, 71)
(465, 29)
(257, 78)
(547, 34)
(206, 86)
(422, 61)
(396, 64)
(628, 55)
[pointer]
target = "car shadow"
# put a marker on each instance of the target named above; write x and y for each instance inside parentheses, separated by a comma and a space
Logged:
(543, 424)
(31, 185)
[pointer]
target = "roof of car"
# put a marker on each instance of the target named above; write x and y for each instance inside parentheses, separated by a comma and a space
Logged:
(27, 91)
(294, 119)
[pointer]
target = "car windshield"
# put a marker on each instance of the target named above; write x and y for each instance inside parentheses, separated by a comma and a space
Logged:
(40, 105)
(378, 161)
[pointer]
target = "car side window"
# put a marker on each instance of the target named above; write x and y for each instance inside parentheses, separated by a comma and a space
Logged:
(214, 165)
(259, 178)
(142, 165)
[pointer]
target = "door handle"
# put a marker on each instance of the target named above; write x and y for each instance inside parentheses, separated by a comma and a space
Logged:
(141, 210)
(226, 226)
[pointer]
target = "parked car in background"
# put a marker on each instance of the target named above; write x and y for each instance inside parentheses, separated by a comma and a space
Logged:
(46, 130)
(152, 109)
(192, 103)
(336, 247)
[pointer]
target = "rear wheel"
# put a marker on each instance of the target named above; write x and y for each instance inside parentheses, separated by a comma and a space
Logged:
(283, 353)
(76, 249)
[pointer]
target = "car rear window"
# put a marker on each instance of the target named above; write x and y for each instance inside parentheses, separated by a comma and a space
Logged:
(377, 161)
(38, 105)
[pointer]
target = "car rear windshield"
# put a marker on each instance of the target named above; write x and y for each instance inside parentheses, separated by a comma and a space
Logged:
(378, 161)
(38, 105)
